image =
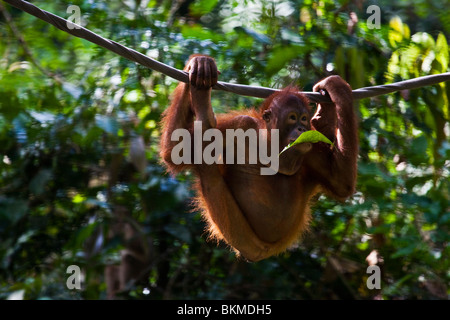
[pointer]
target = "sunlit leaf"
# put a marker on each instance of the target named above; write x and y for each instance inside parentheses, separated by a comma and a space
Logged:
(19, 65)
(198, 32)
(399, 31)
(442, 52)
(311, 136)
(424, 39)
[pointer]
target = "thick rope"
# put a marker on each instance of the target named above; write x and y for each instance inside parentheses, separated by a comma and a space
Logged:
(254, 91)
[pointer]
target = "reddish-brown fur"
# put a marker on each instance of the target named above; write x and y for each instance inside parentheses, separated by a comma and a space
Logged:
(262, 215)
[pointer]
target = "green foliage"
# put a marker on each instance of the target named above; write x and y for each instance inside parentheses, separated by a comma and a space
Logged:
(79, 140)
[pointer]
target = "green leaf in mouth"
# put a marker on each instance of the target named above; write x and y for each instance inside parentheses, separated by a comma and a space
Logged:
(311, 136)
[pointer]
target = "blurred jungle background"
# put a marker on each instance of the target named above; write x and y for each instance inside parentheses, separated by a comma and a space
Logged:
(80, 175)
